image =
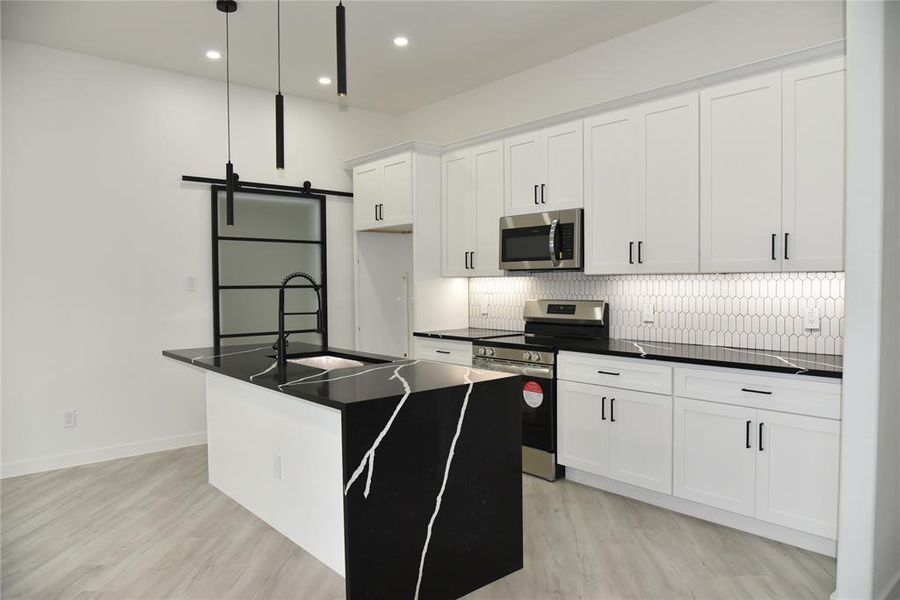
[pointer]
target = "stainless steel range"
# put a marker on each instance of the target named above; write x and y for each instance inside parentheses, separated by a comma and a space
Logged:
(533, 356)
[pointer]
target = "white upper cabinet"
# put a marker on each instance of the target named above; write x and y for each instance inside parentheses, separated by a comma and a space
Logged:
(740, 168)
(472, 202)
(543, 170)
(641, 188)
(382, 194)
(813, 179)
(612, 209)
(669, 185)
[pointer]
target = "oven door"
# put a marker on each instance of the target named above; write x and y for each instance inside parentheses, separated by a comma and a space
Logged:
(538, 400)
(541, 241)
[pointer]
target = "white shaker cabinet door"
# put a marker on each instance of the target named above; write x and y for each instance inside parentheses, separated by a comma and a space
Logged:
(458, 212)
(562, 186)
(797, 472)
(397, 191)
(487, 196)
(740, 183)
(583, 426)
(714, 455)
(813, 187)
(612, 207)
(640, 439)
(523, 173)
(367, 182)
(669, 183)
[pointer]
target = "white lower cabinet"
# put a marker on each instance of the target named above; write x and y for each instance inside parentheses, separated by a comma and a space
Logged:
(714, 457)
(797, 462)
(620, 434)
(456, 352)
(776, 467)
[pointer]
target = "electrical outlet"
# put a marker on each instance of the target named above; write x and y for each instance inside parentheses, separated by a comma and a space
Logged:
(190, 283)
(69, 419)
(276, 466)
(648, 312)
(811, 318)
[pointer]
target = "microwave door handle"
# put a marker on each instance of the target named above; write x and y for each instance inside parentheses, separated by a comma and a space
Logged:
(553, 225)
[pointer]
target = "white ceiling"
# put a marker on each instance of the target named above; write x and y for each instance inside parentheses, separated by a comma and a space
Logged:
(454, 45)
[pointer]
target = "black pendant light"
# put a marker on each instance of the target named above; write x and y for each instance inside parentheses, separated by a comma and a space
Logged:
(279, 101)
(341, 51)
(228, 6)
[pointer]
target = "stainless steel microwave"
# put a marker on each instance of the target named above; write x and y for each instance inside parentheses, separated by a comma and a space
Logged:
(542, 241)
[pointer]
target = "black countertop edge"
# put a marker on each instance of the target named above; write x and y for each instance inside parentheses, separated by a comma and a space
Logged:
(466, 334)
(381, 377)
(773, 361)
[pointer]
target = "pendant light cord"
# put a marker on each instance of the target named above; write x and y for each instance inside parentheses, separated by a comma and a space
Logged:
(278, 26)
(228, 86)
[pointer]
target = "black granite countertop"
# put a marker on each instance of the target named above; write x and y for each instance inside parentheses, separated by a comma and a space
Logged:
(797, 363)
(466, 334)
(381, 376)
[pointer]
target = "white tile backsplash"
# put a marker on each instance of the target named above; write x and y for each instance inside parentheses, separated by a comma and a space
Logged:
(751, 310)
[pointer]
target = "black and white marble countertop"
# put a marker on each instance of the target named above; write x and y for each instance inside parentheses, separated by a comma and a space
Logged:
(382, 376)
(466, 334)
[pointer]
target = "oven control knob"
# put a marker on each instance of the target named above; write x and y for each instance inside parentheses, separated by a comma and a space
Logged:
(482, 351)
(526, 356)
(536, 356)
(490, 351)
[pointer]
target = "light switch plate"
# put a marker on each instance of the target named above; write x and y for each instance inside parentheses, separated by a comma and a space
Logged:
(648, 312)
(190, 283)
(811, 319)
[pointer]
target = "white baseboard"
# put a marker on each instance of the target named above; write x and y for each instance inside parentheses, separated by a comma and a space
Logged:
(778, 533)
(85, 457)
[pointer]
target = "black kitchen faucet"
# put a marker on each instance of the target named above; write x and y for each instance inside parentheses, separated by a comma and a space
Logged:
(280, 345)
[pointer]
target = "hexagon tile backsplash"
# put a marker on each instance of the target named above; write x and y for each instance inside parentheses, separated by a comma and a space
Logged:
(762, 311)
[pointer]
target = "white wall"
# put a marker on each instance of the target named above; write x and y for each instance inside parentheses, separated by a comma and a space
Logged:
(98, 234)
(869, 520)
(709, 39)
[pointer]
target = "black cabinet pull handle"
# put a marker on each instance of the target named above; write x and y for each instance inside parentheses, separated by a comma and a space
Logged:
(748, 434)
(442, 351)
(774, 235)
(630, 253)
(607, 373)
(376, 212)
(612, 410)
(472, 259)
(786, 257)
(535, 194)
(467, 260)
(542, 194)
(748, 390)
(640, 245)
(760, 436)
(603, 408)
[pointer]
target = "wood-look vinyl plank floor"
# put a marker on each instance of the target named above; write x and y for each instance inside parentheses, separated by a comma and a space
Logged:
(151, 527)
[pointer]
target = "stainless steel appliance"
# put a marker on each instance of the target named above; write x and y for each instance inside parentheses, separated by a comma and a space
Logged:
(548, 325)
(542, 241)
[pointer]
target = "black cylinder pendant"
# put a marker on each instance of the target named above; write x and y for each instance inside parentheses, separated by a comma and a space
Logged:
(229, 193)
(279, 131)
(341, 52)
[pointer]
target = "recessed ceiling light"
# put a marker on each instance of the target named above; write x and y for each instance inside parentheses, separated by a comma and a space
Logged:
(213, 54)
(324, 80)
(400, 41)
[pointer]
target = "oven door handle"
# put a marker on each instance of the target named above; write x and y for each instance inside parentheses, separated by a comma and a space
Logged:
(516, 369)
(553, 225)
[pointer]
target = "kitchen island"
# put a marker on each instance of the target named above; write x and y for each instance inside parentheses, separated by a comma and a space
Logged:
(403, 476)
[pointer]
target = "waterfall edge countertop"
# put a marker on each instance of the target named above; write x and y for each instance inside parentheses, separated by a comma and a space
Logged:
(337, 388)
(387, 473)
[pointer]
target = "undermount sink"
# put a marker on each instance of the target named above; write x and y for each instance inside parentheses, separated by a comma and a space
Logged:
(325, 361)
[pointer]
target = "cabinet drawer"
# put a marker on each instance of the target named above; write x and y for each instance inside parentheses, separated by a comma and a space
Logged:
(449, 351)
(642, 376)
(785, 393)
